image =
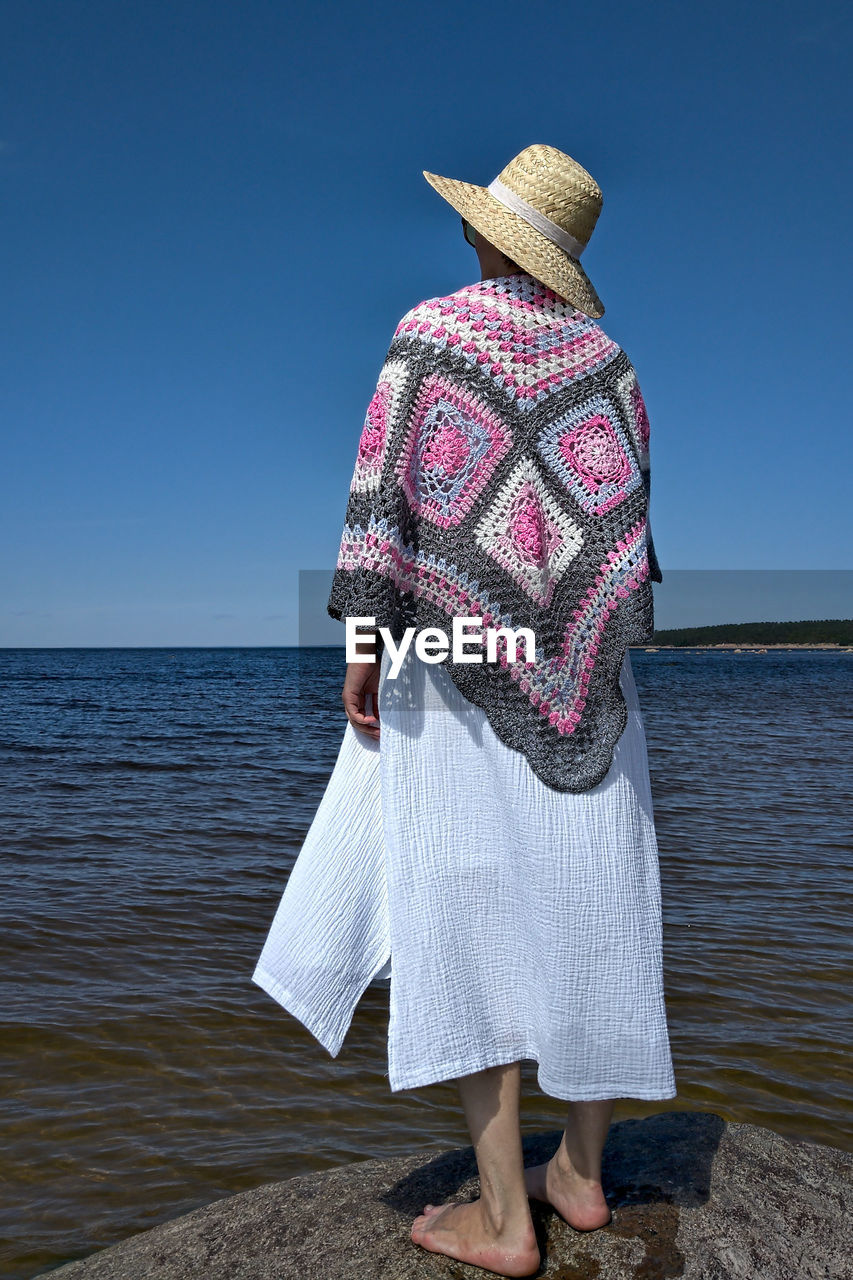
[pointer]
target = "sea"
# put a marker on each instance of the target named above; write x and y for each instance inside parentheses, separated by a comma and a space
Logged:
(152, 804)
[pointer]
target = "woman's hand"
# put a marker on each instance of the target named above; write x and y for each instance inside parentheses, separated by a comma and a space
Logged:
(362, 678)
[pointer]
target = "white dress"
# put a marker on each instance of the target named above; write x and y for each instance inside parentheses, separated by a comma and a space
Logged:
(515, 921)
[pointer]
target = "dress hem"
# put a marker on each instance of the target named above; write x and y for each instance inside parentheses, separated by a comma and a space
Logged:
(293, 1005)
(452, 1070)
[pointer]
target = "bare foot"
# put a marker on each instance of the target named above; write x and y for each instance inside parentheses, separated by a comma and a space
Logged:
(580, 1201)
(462, 1231)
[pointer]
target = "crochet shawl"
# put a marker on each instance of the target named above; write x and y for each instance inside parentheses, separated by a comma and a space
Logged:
(503, 473)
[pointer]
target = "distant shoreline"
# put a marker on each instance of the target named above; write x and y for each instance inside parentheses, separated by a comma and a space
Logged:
(743, 647)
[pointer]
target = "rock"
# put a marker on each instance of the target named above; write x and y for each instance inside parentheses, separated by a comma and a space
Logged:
(691, 1196)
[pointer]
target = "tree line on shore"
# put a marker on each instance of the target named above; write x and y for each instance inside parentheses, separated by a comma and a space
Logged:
(808, 631)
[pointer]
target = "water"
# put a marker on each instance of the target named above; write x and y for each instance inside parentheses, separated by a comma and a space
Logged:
(153, 803)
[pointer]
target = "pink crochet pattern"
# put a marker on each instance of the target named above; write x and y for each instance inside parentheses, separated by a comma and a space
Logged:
(503, 473)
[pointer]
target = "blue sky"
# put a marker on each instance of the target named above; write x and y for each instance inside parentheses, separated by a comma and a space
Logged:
(214, 215)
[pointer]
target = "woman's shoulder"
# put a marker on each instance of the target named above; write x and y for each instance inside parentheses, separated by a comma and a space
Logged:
(429, 310)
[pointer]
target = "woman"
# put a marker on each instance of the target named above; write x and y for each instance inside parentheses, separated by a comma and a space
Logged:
(496, 857)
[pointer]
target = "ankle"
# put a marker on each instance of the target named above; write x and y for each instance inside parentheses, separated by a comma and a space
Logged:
(565, 1168)
(502, 1221)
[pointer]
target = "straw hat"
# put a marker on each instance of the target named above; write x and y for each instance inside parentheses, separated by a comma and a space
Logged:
(540, 211)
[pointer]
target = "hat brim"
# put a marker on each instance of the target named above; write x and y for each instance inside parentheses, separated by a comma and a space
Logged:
(520, 241)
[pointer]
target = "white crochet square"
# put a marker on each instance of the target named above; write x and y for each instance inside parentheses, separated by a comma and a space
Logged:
(528, 534)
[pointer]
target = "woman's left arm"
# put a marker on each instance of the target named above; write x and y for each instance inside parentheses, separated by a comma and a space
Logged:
(362, 678)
